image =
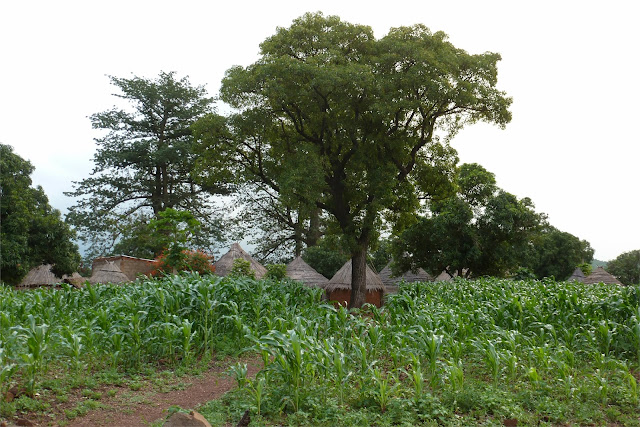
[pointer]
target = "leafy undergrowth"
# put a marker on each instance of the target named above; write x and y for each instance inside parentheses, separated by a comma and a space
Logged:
(484, 352)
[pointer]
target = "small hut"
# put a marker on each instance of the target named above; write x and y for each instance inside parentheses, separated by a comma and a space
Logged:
(75, 280)
(391, 282)
(577, 276)
(40, 276)
(225, 263)
(302, 272)
(108, 272)
(600, 275)
(339, 287)
(444, 277)
(132, 267)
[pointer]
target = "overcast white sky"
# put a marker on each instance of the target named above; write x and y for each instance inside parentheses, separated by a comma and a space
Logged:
(571, 67)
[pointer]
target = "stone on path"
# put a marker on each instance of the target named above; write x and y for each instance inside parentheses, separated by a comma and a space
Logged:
(192, 419)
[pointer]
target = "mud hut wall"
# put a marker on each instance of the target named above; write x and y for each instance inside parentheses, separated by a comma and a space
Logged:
(133, 267)
(343, 296)
(130, 266)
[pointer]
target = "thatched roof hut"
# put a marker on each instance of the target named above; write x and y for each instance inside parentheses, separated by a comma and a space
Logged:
(40, 276)
(444, 277)
(108, 272)
(577, 276)
(75, 280)
(387, 277)
(225, 263)
(600, 275)
(339, 287)
(132, 267)
(302, 272)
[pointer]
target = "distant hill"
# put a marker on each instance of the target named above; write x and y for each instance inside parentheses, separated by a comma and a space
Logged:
(597, 263)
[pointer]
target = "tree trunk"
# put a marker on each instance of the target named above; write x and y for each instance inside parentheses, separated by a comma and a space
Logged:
(156, 196)
(358, 277)
(314, 233)
(297, 227)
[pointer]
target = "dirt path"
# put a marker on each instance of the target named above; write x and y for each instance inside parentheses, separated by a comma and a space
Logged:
(143, 407)
(123, 407)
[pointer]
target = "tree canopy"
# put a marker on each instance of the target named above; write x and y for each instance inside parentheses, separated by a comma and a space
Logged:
(481, 230)
(31, 231)
(143, 165)
(555, 253)
(626, 267)
(355, 126)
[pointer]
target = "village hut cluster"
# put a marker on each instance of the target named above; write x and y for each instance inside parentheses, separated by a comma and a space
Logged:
(122, 269)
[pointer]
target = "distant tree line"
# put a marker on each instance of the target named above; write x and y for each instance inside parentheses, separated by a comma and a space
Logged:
(337, 148)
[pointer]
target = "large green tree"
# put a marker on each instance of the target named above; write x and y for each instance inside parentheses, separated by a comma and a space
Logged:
(144, 164)
(626, 267)
(237, 150)
(555, 253)
(31, 231)
(481, 230)
(359, 126)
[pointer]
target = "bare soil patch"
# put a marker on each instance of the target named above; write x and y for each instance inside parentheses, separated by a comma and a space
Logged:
(121, 406)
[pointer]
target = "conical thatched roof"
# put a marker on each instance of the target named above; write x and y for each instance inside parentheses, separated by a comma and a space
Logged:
(577, 276)
(303, 272)
(40, 276)
(108, 273)
(75, 279)
(225, 263)
(386, 275)
(599, 275)
(444, 277)
(342, 279)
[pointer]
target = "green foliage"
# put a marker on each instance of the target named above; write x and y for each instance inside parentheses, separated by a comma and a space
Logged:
(381, 255)
(586, 268)
(174, 228)
(276, 271)
(483, 230)
(143, 165)
(480, 231)
(331, 118)
(626, 267)
(242, 268)
(31, 231)
(186, 260)
(524, 273)
(327, 257)
(556, 253)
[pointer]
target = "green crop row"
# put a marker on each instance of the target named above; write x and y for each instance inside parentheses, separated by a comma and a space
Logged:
(488, 349)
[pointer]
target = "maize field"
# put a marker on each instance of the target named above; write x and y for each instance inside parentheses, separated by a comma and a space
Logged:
(447, 353)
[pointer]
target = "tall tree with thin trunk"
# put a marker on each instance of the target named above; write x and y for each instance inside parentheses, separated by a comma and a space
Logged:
(143, 164)
(360, 126)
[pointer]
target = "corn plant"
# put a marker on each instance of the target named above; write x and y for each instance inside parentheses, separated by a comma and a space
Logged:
(417, 378)
(633, 386)
(257, 387)
(490, 355)
(602, 386)
(7, 371)
(239, 373)
(383, 390)
(73, 343)
(456, 374)
(186, 328)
